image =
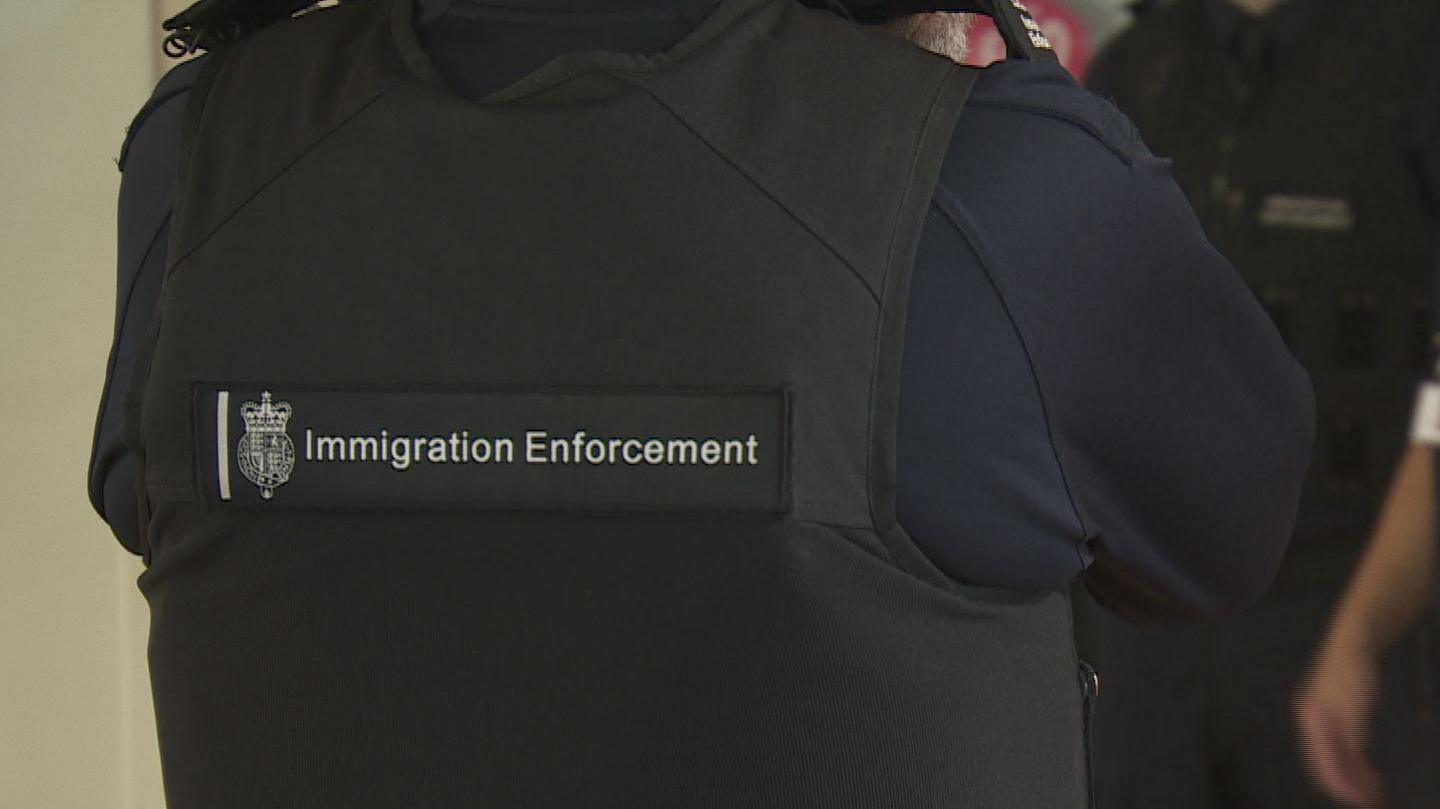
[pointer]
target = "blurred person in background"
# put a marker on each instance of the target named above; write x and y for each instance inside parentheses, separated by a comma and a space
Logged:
(1291, 125)
(1393, 588)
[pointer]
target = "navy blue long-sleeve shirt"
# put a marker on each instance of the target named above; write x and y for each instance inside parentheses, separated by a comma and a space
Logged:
(1088, 387)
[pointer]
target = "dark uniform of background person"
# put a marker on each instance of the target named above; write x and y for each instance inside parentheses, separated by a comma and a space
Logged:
(1293, 135)
(1088, 389)
(1390, 593)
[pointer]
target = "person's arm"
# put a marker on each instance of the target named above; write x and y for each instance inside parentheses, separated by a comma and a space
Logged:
(1392, 584)
(1181, 422)
(1387, 595)
(148, 162)
(1190, 424)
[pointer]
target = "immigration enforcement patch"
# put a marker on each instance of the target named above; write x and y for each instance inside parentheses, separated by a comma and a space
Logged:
(664, 450)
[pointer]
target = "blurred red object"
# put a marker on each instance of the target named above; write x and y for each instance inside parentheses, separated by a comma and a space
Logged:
(1068, 32)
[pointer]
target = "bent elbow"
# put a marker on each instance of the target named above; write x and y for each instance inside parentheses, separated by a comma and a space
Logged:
(1216, 544)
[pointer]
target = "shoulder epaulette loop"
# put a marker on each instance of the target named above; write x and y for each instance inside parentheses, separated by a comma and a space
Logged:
(210, 23)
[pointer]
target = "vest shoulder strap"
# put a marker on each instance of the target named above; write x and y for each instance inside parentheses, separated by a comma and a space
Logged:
(210, 23)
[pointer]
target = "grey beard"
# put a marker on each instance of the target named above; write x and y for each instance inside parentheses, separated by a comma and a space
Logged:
(936, 31)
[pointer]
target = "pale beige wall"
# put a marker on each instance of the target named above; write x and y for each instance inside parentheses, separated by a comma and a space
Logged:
(76, 723)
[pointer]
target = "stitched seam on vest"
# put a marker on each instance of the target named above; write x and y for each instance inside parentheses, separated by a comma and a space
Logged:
(947, 205)
(830, 524)
(880, 322)
(828, 507)
(907, 557)
(120, 325)
(197, 112)
(991, 601)
(200, 242)
(755, 181)
(142, 117)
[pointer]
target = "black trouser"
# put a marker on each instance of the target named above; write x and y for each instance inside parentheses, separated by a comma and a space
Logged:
(1198, 716)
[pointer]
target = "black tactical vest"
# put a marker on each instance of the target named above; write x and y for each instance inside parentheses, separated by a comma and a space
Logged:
(539, 451)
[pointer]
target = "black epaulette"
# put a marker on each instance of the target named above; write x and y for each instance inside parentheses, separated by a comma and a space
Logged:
(209, 23)
(1022, 35)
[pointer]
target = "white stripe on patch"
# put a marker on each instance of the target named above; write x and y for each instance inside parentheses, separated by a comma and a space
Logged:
(222, 441)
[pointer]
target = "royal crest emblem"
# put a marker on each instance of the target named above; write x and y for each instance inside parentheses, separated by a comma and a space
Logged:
(266, 454)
